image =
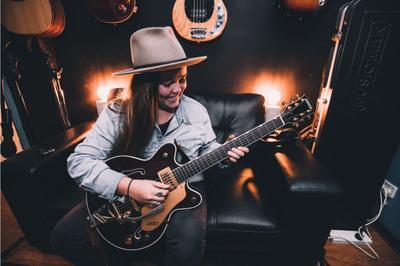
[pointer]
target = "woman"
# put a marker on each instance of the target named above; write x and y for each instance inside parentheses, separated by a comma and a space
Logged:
(155, 113)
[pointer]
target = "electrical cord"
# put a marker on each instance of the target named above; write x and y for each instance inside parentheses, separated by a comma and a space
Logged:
(364, 227)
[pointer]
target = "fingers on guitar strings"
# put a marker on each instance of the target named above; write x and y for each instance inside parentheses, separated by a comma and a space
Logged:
(233, 155)
(238, 151)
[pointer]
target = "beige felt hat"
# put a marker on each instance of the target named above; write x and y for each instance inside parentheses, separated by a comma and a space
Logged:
(157, 49)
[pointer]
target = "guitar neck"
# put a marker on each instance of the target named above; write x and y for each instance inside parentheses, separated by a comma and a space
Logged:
(212, 158)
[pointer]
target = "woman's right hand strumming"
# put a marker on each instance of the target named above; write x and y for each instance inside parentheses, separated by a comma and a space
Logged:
(147, 192)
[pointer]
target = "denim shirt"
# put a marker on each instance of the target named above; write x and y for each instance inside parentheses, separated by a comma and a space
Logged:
(190, 128)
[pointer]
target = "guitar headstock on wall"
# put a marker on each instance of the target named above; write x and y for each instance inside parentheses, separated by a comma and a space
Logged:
(112, 11)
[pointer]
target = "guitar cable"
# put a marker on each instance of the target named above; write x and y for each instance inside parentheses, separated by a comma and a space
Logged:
(363, 229)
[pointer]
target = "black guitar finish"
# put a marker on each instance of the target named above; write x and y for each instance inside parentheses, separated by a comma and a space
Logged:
(118, 230)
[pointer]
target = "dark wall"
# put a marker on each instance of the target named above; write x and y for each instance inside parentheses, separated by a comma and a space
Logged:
(261, 43)
(259, 38)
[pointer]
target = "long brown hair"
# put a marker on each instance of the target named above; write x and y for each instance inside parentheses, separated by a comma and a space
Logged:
(140, 114)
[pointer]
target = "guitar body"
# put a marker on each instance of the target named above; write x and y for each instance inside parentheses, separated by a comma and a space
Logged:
(42, 18)
(128, 235)
(112, 11)
(199, 21)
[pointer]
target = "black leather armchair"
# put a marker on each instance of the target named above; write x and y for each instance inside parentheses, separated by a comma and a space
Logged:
(274, 207)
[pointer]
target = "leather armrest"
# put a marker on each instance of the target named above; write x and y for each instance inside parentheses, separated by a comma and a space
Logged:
(304, 192)
(303, 172)
(291, 168)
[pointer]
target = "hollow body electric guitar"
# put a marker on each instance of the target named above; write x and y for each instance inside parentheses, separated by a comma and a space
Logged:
(199, 20)
(127, 226)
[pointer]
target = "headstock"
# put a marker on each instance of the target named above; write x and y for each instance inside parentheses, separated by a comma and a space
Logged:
(297, 110)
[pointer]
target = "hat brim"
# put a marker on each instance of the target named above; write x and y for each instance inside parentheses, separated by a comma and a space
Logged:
(162, 67)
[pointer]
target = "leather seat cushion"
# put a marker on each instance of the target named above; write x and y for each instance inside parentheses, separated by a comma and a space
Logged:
(237, 209)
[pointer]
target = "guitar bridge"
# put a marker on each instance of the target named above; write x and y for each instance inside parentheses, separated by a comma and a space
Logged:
(198, 33)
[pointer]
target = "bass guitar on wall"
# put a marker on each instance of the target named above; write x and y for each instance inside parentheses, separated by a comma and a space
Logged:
(128, 226)
(199, 20)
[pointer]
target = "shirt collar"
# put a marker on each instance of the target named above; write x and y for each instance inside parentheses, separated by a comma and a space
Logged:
(181, 114)
(179, 118)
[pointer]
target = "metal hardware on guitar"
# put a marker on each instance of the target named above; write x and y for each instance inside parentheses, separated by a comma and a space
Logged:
(96, 218)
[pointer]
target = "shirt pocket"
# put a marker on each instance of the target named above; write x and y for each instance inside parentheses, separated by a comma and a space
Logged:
(190, 140)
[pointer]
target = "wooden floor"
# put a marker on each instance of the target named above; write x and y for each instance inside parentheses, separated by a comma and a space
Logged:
(337, 254)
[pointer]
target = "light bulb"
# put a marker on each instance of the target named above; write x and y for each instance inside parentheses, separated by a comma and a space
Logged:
(102, 92)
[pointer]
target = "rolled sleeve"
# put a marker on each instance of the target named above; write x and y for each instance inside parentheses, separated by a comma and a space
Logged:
(86, 164)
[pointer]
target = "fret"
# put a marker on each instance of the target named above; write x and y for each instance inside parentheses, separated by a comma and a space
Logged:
(198, 165)
(208, 160)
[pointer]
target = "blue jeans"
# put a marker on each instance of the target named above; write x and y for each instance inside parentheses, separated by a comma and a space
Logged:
(183, 242)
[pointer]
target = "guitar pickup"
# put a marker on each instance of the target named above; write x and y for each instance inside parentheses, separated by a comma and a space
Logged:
(167, 177)
(198, 33)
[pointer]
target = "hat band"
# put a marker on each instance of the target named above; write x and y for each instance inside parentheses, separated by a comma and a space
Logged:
(161, 63)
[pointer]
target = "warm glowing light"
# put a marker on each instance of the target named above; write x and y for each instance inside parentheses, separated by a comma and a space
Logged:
(102, 92)
(273, 96)
(102, 77)
(263, 81)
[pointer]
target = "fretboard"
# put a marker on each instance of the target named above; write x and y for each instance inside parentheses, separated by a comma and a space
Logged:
(210, 159)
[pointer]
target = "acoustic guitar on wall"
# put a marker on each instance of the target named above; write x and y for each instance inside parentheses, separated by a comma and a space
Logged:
(112, 11)
(199, 20)
(41, 18)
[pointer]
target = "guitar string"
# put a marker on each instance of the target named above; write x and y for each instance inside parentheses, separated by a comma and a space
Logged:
(201, 11)
(195, 11)
(202, 163)
(191, 171)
